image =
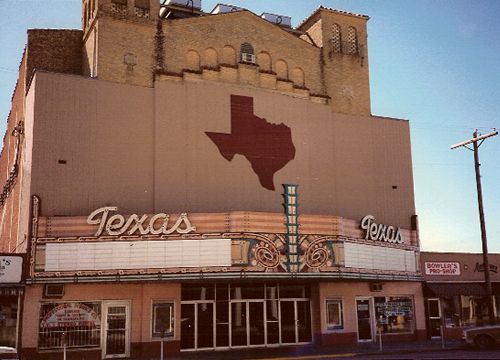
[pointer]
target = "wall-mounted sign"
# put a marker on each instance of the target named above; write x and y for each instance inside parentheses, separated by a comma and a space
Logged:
(379, 232)
(480, 268)
(11, 269)
(70, 315)
(157, 224)
(441, 268)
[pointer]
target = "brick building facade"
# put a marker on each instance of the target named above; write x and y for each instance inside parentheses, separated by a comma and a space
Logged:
(213, 179)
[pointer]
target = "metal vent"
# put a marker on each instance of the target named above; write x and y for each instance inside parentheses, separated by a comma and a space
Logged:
(53, 291)
(376, 287)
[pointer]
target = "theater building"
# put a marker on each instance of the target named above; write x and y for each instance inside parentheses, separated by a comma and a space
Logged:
(209, 180)
(455, 291)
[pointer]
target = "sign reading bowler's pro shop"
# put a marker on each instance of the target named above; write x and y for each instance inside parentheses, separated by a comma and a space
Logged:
(442, 268)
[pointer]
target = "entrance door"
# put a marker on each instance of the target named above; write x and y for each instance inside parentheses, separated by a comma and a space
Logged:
(295, 321)
(205, 325)
(116, 330)
(247, 323)
(434, 311)
(197, 325)
(365, 321)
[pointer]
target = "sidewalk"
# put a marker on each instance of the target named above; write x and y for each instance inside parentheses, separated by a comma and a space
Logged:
(310, 352)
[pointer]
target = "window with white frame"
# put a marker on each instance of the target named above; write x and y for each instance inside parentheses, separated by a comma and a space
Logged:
(334, 314)
(163, 323)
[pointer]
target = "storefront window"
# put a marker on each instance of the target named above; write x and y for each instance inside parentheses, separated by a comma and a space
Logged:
(395, 314)
(163, 319)
(8, 320)
(474, 311)
(451, 310)
(334, 314)
(497, 308)
(78, 324)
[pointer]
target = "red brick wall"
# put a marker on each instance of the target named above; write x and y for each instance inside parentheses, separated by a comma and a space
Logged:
(9, 210)
(54, 50)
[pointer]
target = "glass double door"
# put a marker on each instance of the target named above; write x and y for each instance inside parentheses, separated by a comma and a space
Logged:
(244, 323)
(295, 321)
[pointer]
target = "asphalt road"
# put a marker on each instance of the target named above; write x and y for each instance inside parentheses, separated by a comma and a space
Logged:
(434, 355)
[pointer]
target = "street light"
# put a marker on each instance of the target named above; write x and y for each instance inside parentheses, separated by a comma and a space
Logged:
(476, 142)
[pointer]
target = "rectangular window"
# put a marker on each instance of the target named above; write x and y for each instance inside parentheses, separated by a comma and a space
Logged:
(334, 314)
(474, 310)
(78, 324)
(451, 310)
(395, 314)
(163, 323)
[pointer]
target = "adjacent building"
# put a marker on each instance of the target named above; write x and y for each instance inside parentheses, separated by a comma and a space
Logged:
(455, 291)
(212, 180)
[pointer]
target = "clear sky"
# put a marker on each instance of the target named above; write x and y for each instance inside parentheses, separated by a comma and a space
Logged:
(436, 63)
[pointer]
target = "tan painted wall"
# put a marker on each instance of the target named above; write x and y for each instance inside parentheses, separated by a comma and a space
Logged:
(145, 150)
(140, 296)
(348, 291)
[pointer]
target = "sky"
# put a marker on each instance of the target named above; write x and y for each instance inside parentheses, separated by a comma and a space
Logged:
(435, 63)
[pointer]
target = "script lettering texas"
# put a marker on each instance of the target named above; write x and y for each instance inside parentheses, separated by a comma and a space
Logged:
(155, 225)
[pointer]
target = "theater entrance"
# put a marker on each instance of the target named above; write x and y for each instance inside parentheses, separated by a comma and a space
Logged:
(228, 316)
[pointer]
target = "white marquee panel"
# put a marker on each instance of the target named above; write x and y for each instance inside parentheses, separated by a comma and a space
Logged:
(378, 257)
(137, 254)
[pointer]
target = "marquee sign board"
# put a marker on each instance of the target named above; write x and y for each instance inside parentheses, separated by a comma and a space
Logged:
(11, 268)
(379, 232)
(117, 224)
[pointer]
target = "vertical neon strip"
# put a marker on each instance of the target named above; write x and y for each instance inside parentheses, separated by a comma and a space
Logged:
(292, 227)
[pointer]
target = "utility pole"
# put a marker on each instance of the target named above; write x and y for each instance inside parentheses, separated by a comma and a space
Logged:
(476, 142)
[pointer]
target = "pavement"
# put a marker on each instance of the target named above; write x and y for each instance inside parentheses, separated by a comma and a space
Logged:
(311, 352)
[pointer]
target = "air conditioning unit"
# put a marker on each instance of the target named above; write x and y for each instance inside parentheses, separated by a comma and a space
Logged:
(195, 4)
(376, 286)
(249, 58)
(53, 291)
(223, 8)
(280, 20)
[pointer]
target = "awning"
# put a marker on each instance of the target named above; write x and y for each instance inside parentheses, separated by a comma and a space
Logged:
(449, 289)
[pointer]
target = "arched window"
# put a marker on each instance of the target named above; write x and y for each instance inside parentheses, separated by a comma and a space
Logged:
(336, 39)
(281, 67)
(228, 55)
(352, 41)
(247, 53)
(264, 61)
(210, 58)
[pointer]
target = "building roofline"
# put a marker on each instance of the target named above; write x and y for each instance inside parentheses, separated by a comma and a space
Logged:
(342, 12)
(457, 253)
(287, 30)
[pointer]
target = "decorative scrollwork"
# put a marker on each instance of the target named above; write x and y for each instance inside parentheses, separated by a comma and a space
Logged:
(317, 255)
(267, 255)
